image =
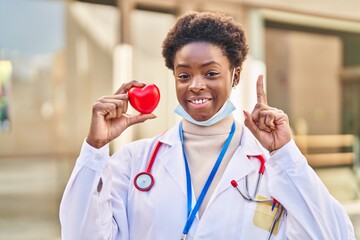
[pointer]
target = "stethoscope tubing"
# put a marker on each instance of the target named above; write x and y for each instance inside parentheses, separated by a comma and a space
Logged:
(153, 156)
(252, 198)
(149, 178)
(247, 196)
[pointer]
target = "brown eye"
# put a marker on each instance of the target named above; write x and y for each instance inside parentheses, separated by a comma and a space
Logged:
(212, 74)
(183, 76)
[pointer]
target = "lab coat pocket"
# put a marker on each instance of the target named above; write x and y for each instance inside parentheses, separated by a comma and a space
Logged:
(265, 215)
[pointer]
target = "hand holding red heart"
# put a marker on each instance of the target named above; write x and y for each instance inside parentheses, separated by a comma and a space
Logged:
(109, 118)
(269, 125)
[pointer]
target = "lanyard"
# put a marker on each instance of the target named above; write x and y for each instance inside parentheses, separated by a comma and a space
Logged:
(192, 213)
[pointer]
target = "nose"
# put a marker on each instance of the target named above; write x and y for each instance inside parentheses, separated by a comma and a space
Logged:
(197, 84)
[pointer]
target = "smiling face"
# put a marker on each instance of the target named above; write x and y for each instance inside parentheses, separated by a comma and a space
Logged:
(203, 79)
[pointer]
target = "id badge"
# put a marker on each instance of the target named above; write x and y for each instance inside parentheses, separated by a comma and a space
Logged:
(264, 216)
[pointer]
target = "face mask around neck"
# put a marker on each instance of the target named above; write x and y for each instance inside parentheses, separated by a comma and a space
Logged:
(224, 111)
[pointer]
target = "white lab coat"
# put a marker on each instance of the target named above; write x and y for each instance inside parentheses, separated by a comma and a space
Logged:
(120, 211)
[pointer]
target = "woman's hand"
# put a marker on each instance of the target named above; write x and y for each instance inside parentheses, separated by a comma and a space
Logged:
(109, 118)
(269, 125)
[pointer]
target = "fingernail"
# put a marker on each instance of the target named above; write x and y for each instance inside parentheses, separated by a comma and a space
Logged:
(245, 114)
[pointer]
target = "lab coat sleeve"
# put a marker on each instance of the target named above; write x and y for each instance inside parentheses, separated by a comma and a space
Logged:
(312, 213)
(88, 209)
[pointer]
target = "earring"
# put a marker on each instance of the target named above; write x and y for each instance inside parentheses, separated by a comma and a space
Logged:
(234, 85)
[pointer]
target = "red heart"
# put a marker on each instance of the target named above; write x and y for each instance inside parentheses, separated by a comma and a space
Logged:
(144, 99)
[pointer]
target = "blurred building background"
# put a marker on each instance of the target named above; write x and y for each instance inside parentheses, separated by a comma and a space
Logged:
(58, 56)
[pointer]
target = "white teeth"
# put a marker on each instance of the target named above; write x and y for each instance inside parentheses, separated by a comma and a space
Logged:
(200, 101)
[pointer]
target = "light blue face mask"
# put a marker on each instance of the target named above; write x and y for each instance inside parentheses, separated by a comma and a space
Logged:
(224, 111)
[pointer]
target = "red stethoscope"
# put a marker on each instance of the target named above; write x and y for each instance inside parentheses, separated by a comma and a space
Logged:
(144, 181)
(252, 197)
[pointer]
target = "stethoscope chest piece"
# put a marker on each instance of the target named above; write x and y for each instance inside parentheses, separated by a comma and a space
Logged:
(144, 181)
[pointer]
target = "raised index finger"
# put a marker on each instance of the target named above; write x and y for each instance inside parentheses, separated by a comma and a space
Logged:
(260, 93)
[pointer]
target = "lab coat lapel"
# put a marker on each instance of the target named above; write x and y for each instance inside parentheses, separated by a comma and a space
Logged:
(173, 161)
(239, 165)
(172, 158)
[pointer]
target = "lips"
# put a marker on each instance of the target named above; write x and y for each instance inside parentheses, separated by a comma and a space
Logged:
(199, 107)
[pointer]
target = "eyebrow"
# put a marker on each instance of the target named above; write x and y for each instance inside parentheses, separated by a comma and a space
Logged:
(202, 65)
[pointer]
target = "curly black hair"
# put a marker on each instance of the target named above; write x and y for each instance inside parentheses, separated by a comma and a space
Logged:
(214, 28)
